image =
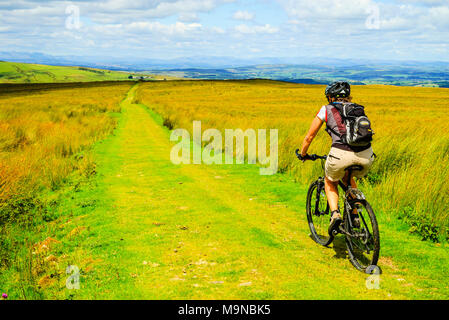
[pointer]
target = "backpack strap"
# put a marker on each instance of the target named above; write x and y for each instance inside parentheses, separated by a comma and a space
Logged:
(333, 131)
(338, 107)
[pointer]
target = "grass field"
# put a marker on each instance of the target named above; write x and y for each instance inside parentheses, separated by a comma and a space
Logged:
(42, 138)
(14, 72)
(410, 141)
(139, 227)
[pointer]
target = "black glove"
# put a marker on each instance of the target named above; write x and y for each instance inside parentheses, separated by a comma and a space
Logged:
(300, 157)
(306, 157)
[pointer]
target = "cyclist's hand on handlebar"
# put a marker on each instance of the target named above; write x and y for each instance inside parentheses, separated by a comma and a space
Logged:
(301, 157)
(312, 157)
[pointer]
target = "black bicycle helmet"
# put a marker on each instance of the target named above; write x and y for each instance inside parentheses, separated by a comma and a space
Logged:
(338, 89)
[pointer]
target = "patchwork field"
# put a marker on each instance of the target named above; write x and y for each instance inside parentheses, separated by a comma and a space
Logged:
(407, 74)
(110, 202)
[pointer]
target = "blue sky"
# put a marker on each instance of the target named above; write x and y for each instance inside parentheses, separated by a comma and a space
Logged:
(365, 29)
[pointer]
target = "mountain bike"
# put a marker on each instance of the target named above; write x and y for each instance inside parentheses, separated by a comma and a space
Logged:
(362, 240)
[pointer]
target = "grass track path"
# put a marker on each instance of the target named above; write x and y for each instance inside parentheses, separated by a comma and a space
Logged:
(160, 231)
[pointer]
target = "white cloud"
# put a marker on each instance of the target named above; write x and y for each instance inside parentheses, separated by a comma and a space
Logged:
(424, 2)
(113, 11)
(395, 23)
(243, 15)
(326, 9)
(439, 17)
(177, 26)
(169, 8)
(245, 29)
(147, 29)
(350, 16)
(218, 30)
(188, 17)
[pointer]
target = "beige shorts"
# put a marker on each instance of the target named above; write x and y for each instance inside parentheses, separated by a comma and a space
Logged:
(338, 160)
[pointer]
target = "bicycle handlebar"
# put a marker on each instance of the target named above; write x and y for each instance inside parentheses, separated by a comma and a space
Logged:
(312, 157)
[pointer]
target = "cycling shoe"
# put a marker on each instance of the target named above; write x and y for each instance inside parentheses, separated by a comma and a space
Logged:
(335, 223)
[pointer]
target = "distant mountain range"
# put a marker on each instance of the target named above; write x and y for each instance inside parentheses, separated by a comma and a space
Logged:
(401, 75)
(199, 62)
(302, 69)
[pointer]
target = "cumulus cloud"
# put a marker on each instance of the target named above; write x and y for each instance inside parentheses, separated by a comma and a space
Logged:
(243, 15)
(113, 11)
(355, 16)
(405, 29)
(246, 29)
(188, 17)
(175, 26)
(423, 2)
(327, 9)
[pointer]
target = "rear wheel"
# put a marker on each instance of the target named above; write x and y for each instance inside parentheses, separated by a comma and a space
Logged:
(363, 244)
(317, 209)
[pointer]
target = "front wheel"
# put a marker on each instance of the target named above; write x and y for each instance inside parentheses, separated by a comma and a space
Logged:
(362, 241)
(318, 217)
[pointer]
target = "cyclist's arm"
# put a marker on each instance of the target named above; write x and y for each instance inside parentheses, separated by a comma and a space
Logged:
(314, 128)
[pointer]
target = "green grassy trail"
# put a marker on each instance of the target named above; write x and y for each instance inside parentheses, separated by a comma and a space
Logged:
(148, 229)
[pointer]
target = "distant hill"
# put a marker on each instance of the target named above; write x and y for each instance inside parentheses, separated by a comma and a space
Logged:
(400, 74)
(13, 72)
(433, 74)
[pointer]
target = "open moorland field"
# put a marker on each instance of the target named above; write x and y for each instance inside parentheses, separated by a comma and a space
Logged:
(410, 141)
(43, 133)
(15, 72)
(75, 191)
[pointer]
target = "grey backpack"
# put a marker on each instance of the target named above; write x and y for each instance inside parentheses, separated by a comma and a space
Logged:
(358, 126)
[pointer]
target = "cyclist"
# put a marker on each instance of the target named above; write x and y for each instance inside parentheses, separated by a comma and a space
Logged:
(341, 155)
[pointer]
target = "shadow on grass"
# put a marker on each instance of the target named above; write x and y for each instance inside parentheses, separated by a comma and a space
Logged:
(339, 246)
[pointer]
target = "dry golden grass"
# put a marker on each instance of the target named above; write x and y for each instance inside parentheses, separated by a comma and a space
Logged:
(412, 140)
(41, 133)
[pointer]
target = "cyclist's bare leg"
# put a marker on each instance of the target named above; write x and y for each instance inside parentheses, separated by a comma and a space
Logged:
(345, 179)
(353, 185)
(331, 188)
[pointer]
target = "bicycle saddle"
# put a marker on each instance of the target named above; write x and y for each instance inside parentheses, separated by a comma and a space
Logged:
(354, 168)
